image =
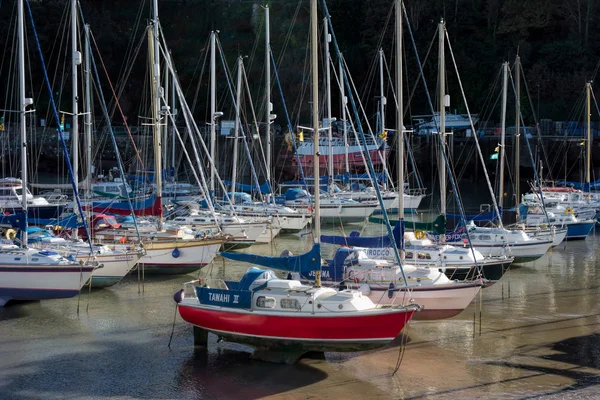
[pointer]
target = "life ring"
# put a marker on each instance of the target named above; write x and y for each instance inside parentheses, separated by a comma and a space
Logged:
(10, 234)
(420, 234)
(569, 211)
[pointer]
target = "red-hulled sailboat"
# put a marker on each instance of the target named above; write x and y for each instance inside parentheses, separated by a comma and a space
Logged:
(285, 316)
(271, 313)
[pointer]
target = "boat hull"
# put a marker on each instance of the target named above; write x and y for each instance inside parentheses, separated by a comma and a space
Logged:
(436, 301)
(580, 230)
(522, 252)
(557, 236)
(291, 223)
(309, 332)
(236, 245)
(491, 271)
(347, 213)
(191, 255)
(49, 211)
(289, 161)
(268, 234)
(411, 202)
(114, 269)
(41, 282)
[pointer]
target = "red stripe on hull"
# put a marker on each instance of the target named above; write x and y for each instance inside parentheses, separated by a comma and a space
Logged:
(346, 327)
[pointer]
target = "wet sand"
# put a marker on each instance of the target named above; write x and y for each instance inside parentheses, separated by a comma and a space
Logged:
(543, 340)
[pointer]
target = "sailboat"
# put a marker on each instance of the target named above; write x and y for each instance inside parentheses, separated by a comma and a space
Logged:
(12, 192)
(574, 202)
(283, 218)
(236, 203)
(26, 273)
(360, 192)
(167, 251)
(427, 286)
(285, 315)
(496, 241)
(116, 264)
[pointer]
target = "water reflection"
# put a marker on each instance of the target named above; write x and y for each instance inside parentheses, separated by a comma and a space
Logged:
(231, 374)
(538, 334)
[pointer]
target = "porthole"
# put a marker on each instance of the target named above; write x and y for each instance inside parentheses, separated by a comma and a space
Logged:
(292, 304)
(265, 302)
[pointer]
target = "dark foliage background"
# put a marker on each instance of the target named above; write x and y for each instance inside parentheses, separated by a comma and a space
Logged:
(557, 41)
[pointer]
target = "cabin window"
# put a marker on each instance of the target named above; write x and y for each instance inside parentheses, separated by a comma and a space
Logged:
(265, 302)
(17, 258)
(424, 256)
(292, 304)
(34, 259)
(485, 237)
(409, 255)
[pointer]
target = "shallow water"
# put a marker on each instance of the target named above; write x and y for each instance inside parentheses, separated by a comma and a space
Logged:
(539, 335)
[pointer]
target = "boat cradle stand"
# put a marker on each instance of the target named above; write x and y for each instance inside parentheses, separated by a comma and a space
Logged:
(279, 355)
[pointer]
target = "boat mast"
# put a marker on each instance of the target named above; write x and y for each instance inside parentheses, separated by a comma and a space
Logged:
(88, 112)
(165, 121)
(174, 113)
(155, 59)
(315, 122)
(588, 152)
(237, 129)
(382, 103)
(213, 106)
(23, 103)
(329, 130)
(502, 138)
(518, 137)
(268, 105)
(75, 61)
(400, 124)
(344, 103)
(442, 124)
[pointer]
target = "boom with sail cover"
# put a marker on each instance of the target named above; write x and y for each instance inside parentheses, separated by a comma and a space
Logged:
(306, 262)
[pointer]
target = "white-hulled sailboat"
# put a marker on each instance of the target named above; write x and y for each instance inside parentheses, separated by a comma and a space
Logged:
(427, 286)
(168, 251)
(25, 273)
